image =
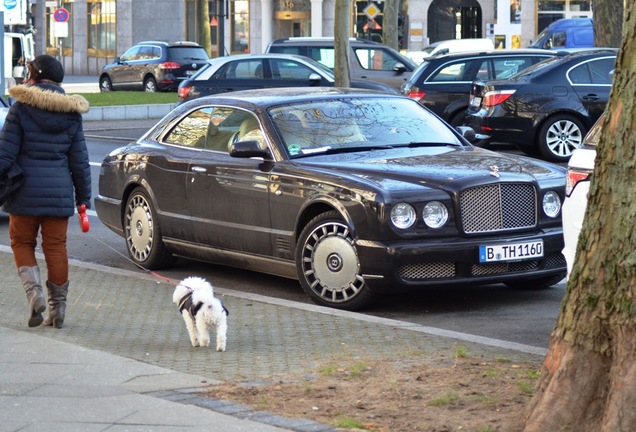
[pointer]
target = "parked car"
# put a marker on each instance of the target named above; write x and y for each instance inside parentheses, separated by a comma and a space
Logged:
(579, 174)
(443, 83)
(153, 66)
(354, 193)
(367, 59)
(459, 45)
(566, 33)
(548, 108)
(255, 71)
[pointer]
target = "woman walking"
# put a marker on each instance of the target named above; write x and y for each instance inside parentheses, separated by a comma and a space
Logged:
(43, 134)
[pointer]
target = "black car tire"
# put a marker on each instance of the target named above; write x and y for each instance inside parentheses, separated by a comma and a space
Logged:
(328, 265)
(150, 85)
(143, 232)
(105, 85)
(537, 284)
(559, 136)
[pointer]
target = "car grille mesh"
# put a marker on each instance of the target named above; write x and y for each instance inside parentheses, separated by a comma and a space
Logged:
(443, 270)
(498, 207)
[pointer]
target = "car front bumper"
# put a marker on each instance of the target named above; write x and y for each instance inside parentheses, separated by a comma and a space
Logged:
(386, 266)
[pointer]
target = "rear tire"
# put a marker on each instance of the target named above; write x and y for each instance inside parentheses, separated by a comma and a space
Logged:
(150, 85)
(142, 232)
(559, 136)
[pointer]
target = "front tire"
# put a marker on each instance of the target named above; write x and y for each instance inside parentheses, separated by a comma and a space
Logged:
(328, 265)
(144, 240)
(105, 84)
(560, 136)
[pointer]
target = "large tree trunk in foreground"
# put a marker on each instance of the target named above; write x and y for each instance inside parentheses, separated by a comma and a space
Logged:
(588, 381)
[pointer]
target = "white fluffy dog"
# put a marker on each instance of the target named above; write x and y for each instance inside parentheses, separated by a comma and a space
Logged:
(201, 310)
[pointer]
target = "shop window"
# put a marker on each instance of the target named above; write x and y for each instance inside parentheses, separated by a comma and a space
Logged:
(102, 28)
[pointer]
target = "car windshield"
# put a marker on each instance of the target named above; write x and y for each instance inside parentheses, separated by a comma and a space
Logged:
(356, 124)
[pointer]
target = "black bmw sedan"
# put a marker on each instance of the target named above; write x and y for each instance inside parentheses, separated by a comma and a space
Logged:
(351, 192)
(547, 109)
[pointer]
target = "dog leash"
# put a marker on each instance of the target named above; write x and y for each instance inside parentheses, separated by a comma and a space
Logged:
(154, 274)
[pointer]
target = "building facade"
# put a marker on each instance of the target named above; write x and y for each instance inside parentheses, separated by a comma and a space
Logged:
(97, 31)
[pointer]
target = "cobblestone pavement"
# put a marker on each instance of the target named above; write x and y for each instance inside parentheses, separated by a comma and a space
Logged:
(132, 315)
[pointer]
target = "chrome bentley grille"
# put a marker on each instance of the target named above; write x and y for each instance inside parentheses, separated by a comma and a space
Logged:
(498, 207)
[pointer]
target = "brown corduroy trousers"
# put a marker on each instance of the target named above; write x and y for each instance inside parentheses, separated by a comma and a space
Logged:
(23, 231)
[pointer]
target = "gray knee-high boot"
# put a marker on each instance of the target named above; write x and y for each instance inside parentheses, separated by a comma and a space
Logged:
(57, 304)
(30, 278)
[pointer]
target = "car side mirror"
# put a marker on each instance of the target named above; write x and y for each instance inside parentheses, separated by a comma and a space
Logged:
(118, 60)
(314, 77)
(467, 133)
(248, 149)
(399, 68)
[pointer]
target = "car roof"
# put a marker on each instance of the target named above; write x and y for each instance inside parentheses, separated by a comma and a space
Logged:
(267, 97)
(493, 52)
(170, 44)
(317, 40)
(259, 56)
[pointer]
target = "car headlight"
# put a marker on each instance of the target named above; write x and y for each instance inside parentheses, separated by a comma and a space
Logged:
(403, 216)
(435, 214)
(551, 204)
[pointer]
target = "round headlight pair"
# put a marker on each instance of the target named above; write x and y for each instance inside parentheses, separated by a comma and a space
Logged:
(551, 204)
(434, 214)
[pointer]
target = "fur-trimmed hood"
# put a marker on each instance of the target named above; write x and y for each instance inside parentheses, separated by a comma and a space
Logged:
(49, 100)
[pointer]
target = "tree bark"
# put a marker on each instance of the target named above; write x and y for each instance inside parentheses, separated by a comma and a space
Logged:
(341, 33)
(608, 22)
(589, 375)
(390, 23)
(203, 20)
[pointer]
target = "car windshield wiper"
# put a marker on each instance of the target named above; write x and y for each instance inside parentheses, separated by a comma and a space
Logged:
(414, 144)
(336, 150)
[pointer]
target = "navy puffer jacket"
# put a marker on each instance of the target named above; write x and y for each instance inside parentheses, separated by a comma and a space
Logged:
(43, 134)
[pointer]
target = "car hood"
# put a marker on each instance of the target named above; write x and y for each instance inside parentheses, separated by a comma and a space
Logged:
(447, 168)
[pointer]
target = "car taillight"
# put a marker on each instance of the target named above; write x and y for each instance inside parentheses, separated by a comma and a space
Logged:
(416, 93)
(574, 177)
(170, 65)
(494, 98)
(183, 92)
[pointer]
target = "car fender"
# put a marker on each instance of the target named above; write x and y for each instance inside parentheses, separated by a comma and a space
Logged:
(542, 117)
(324, 203)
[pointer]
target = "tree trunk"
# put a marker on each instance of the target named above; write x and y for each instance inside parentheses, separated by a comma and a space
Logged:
(390, 23)
(589, 375)
(341, 33)
(203, 20)
(608, 22)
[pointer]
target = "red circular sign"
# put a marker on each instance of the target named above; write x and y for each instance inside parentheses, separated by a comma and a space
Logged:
(60, 15)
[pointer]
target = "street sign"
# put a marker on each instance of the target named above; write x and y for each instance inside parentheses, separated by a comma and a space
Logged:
(371, 11)
(60, 15)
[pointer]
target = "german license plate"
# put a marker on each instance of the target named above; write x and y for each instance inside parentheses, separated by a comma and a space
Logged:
(511, 251)
(475, 101)
(191, 72)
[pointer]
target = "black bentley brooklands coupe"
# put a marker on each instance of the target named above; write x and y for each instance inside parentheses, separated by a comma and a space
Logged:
(353, 193)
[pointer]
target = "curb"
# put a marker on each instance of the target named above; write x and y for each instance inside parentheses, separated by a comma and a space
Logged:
(128, 112)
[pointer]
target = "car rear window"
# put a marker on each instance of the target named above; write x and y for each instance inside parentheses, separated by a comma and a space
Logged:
(187, 53)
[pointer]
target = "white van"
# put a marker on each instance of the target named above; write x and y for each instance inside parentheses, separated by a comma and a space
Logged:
(458, 45)
(19, 49)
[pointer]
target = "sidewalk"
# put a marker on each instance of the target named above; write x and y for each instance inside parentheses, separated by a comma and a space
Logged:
(123, 360)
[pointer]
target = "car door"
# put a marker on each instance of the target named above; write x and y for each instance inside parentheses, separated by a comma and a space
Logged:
(122, 72)
(379, 64)
(291, 73)
(447, 83)
(229, 197)
(592, 82)
(244, 74)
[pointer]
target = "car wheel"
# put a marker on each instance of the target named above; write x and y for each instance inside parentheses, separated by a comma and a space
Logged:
(143, 233)
(328, 265)
(560, 136)
(105, 85)
(150, 85)
(457, 119)
(537, 284)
